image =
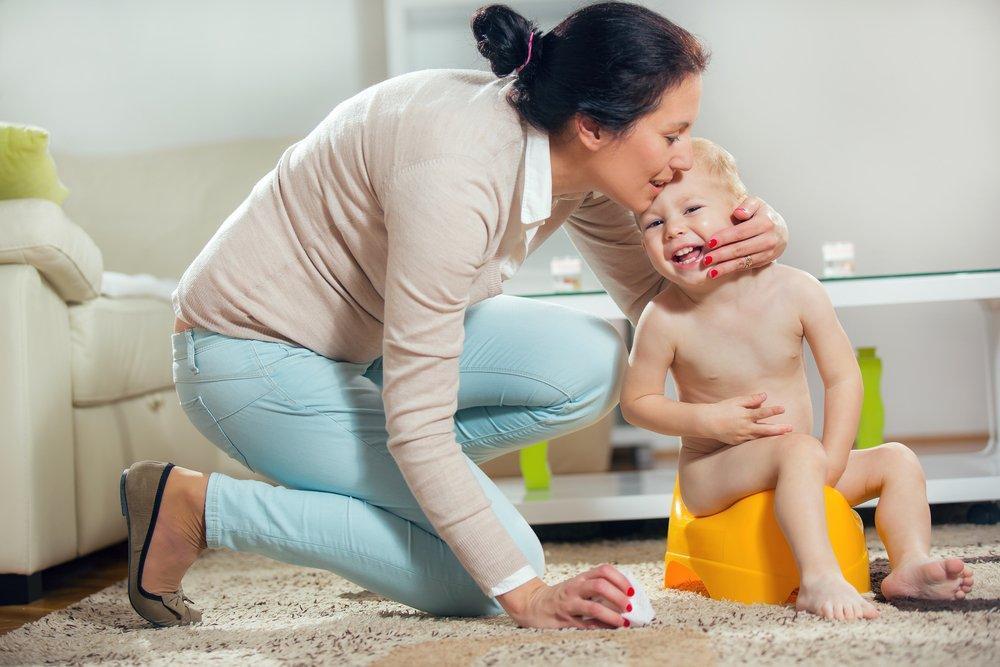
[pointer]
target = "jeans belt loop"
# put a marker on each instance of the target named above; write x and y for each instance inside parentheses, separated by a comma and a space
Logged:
(190, 352)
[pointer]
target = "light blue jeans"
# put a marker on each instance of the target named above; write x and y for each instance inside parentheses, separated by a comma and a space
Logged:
(316, 426)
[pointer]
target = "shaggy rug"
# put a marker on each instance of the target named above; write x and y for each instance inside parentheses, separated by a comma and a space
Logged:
(267, 612)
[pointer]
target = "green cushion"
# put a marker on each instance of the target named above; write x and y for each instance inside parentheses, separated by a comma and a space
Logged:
(27, 171)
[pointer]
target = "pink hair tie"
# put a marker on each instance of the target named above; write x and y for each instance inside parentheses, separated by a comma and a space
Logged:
(531, 40)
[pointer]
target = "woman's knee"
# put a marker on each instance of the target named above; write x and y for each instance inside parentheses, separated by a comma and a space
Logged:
(597, 352)
(526, 540)
(468, 601)
(534, 553)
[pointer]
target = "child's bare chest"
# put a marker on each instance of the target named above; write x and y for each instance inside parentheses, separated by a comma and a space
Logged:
(721, 353)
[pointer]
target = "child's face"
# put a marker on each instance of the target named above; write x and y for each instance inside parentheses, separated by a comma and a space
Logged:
(690, 210)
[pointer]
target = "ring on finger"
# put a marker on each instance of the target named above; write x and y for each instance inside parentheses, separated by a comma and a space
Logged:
(747, 262)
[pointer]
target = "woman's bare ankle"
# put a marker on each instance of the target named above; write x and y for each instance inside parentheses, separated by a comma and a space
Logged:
(179, 534)
(192, 487)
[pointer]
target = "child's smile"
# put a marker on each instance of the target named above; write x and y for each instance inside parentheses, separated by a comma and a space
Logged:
(688, 256)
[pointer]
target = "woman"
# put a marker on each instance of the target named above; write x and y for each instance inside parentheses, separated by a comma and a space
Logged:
(343, 335)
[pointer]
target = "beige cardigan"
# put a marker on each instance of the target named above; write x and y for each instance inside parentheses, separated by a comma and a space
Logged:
(372, 236)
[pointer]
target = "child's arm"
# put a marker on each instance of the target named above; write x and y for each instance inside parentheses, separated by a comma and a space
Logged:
(643, 404)
(839, 369)
(642, 401)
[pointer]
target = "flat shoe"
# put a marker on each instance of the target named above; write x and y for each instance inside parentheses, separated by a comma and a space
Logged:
(141, 489)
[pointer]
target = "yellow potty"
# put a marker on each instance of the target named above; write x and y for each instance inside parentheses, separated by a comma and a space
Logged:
(741, 554)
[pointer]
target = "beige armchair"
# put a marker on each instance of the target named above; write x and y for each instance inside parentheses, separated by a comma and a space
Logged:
(87, 385)
(87, 389)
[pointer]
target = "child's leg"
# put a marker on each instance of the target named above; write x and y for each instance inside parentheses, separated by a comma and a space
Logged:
(795, 467)
(892, 473)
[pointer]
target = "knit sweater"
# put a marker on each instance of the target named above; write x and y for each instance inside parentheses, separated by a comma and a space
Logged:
(372, 236)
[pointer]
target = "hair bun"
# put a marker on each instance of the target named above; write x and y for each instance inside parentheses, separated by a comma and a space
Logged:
(502, 37)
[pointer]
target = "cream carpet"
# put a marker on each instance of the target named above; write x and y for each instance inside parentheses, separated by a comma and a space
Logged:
(260, 611)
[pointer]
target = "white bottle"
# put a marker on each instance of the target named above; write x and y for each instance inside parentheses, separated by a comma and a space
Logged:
(838, 259)
(565, 273)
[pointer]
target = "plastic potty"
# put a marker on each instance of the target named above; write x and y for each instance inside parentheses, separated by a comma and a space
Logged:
(741, 554)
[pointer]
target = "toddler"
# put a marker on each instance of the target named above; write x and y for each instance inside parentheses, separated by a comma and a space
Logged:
(734, 346)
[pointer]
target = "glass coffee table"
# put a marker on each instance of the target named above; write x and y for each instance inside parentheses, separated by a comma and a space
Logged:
(646, 494)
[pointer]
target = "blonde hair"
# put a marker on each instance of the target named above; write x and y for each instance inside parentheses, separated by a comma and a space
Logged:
(719, 163)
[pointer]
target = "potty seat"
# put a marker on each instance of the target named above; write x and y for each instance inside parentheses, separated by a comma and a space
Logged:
(740, 553)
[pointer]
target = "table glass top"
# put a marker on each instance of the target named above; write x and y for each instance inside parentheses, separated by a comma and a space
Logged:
(882, 276)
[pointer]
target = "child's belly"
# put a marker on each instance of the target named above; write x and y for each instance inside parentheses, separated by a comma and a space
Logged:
(792, 395)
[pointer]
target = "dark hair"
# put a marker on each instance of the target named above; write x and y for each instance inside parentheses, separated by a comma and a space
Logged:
(611, 61)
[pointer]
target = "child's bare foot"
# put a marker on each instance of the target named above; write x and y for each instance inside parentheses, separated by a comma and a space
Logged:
(927, 578)
(179, 535)
(830, 596)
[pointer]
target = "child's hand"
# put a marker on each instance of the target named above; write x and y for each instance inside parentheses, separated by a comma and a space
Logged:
(736, 420)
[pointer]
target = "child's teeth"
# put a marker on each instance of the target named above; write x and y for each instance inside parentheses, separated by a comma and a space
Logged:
(681, 256)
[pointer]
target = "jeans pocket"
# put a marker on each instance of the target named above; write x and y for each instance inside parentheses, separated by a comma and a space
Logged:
(268, 353)
(206, 423)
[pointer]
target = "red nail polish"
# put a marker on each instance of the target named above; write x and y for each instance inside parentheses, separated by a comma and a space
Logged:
(627, 623)
(708, 260)
(629, 607)
(713, 273)
(631, 591)
(713, 243)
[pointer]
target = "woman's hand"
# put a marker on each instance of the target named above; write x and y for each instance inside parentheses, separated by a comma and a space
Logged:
(736, 420)
(572, 603)
(758, 238)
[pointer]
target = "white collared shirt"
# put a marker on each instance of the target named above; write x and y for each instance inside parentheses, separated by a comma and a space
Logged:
(536, 202)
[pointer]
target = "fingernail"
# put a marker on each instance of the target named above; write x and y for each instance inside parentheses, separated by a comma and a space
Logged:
(743, 210)
(713, 273)
(627, 623)
(713, 243)
(708, 260)
(631, 591)
(629, 607)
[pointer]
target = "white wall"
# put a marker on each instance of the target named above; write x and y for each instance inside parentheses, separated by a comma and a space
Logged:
(873, 122)
(107, 76)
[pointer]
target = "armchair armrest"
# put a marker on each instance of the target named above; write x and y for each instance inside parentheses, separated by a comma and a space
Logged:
(37, 232)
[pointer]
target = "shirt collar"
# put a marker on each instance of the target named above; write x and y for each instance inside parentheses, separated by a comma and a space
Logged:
(536, 198)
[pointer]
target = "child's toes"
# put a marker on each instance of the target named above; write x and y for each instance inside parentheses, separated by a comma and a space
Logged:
(954, 567)
(959, 594)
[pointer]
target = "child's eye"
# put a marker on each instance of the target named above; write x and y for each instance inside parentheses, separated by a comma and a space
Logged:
(654, 223)
(691, 209)
(672, 139)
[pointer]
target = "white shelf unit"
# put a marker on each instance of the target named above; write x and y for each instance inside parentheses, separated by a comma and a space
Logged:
(960, 477)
